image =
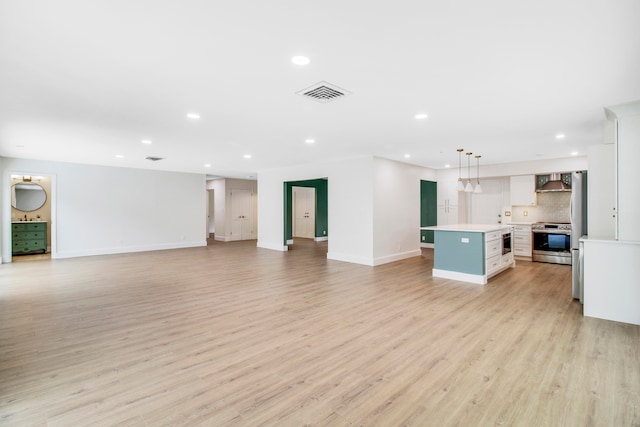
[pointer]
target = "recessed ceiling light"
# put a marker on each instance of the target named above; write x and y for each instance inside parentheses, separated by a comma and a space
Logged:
(310, 141)
(193, 116)
(247, 156)
(560, 136)
(447, 165)
(421, 116)
(119, 156)
(146, 141)
(406, 156)
(574, 153)
(207, 165)
(300, 60)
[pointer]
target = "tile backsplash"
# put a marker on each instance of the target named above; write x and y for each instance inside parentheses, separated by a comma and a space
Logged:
(551, 207)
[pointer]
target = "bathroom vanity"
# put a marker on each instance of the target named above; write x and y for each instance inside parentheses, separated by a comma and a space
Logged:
(28, 237)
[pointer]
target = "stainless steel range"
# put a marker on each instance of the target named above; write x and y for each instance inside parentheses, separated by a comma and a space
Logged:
(552, 242)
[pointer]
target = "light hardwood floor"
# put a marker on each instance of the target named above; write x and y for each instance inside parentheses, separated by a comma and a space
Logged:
(235, 335)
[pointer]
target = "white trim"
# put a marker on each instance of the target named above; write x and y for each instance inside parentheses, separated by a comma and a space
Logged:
(478, 279)
(129, 249)
(427, 245)
(396, 257)
(349, 258)
(321, 238)
(220, 238)
(290, 242)
(262, 245)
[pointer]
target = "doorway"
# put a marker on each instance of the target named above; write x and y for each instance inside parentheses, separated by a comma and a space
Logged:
(29, 209)
(316, 226)
(211, 223)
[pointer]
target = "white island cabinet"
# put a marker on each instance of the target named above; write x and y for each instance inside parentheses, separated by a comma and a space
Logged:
(472, 252)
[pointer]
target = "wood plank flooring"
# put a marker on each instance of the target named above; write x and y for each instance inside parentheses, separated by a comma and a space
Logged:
(231, 334)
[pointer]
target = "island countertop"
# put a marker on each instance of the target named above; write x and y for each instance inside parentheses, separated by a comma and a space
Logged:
(474, 228)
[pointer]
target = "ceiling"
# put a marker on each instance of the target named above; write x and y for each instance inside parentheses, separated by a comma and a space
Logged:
(84, 81)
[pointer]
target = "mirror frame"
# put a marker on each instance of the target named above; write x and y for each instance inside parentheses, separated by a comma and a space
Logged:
(14, 202)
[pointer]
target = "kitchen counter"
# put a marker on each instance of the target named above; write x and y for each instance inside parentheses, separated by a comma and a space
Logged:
(471, 252)
(472, 228)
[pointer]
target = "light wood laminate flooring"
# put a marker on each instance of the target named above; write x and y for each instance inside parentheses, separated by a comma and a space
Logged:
(231, 334)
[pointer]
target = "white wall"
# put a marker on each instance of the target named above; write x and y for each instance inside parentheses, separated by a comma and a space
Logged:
(520, 168)
(103, 210)
(374, 207)
(350, 202)
(396, 212)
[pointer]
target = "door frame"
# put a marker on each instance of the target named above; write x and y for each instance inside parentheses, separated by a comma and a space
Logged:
(7, 255)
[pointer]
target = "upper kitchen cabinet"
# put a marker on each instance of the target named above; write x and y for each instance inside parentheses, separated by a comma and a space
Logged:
(523, 190)
(447, 202)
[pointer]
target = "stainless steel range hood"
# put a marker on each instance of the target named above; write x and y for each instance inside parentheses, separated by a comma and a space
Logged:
(554, 184)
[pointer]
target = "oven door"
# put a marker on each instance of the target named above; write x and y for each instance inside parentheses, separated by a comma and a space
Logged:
(506, 243)
(549, 246)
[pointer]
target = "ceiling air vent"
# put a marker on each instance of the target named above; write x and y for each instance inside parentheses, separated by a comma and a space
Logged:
(324, 92)
(154, 159)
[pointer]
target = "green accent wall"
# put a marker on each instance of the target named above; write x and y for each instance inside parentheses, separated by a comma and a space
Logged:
(428, 209)
(322, 206)
(453, 255)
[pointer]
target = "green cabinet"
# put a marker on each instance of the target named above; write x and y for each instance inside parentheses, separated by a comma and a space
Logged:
(28, 237)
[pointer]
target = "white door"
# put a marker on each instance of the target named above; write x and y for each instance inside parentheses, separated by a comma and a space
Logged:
(304, 212)
(241, 215)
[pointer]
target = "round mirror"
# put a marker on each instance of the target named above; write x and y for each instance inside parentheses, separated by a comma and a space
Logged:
(27, 196)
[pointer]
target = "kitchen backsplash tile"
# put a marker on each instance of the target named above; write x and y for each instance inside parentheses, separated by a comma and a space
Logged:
(551, 207)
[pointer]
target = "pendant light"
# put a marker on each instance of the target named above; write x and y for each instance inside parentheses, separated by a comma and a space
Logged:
(460, 183)
(478, 189)
(469, 187)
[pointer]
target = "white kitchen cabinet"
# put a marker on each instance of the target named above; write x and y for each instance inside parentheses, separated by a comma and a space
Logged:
(523, 190)
(495, 260)
(625, 126)
(447, 199)
(447, 214)
(522, 241)
(602, 218)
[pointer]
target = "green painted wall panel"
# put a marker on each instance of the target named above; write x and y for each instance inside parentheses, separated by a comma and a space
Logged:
(428, 209)
(453, 255)
(322, 206)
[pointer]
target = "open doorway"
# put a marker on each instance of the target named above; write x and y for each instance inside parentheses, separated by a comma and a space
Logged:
(211, 223)
(31, 205)
(306, 211)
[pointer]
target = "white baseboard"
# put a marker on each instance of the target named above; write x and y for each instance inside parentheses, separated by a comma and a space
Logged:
(129, 249)
(321, 238)
(426, 245)
(396, 257)
(290, 242)
(478, 279)
(220, 238)
(349, 258)
(281, 248)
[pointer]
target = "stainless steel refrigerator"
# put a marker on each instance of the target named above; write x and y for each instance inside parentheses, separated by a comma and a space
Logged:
(578, 229)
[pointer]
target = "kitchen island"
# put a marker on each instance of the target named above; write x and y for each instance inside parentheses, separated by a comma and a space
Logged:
(472, 252)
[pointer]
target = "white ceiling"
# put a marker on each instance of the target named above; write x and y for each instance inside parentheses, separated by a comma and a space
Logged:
(82, 81)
